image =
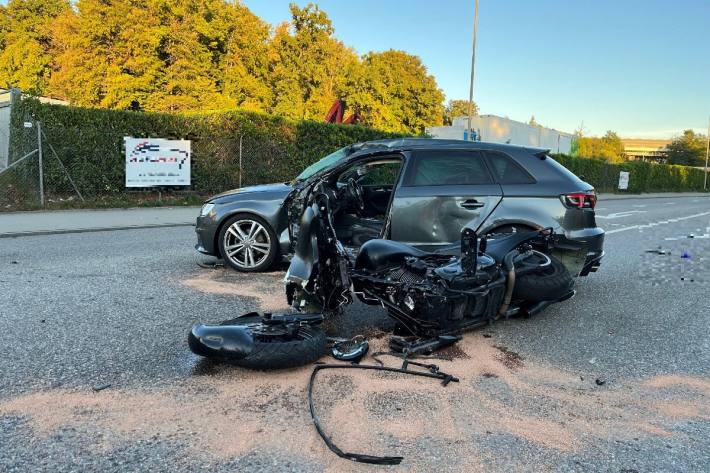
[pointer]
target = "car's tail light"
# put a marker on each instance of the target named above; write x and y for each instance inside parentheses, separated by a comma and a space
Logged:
(580, 200)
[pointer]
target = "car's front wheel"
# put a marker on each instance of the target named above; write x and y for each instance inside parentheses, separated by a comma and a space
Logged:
(248, 243)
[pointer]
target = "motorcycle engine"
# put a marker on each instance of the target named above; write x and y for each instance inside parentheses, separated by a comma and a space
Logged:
(413, 271)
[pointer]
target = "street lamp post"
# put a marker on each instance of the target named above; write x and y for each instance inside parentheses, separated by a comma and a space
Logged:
(707, 154)
(473, 69)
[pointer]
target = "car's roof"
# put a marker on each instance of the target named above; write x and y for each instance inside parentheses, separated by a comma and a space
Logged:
(431, 143)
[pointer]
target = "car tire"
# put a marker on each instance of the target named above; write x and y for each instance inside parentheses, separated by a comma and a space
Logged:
(257, 238)
(549, 284)
(273, 354)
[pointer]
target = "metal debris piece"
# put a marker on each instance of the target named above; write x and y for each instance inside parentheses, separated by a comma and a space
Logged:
(101, 387)
(218, 263)
(432, 372)
(600, 382)
(659, 251)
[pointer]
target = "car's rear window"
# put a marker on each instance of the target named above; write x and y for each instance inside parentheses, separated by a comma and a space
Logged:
(447, 167)
(507, 171)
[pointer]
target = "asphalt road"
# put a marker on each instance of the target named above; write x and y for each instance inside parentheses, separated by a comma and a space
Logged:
(111, 310)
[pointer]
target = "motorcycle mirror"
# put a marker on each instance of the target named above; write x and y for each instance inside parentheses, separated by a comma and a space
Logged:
(469, 250)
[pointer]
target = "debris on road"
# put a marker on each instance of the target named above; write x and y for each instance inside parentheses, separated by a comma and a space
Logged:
(101, 387)
(432, 372)
(659, 251)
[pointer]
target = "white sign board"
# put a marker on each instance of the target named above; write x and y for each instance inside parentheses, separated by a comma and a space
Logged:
(157, 162)
(623, 180)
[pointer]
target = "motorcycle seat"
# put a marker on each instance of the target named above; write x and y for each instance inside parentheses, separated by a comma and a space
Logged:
(377, 254)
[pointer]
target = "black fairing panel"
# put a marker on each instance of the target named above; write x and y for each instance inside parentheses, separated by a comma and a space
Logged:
(221, 341)
(378, 254)
(306, 252)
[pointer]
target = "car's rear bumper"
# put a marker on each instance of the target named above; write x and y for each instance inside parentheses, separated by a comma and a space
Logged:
(594, 261)
(593, 239)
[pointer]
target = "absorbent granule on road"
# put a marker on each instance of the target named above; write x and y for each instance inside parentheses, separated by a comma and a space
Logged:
(496, 407)
(267, 289)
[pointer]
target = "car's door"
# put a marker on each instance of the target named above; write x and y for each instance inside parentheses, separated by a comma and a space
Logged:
(442, 191)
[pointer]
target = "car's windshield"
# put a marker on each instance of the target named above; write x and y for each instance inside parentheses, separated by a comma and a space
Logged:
(326, 162)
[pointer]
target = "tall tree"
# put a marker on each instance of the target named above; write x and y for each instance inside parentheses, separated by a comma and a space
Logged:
(307, 65)
(394, 92)
(246, 62)
(688, 149)
(26, 42)
(457, 108)
(608, 147)
(107, 54)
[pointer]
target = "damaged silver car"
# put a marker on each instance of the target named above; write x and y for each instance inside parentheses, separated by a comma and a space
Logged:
(420, 192)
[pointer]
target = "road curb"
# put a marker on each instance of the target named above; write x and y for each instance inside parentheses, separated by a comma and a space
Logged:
(92, 230)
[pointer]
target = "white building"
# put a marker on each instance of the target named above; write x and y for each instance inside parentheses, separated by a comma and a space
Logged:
(496, 129)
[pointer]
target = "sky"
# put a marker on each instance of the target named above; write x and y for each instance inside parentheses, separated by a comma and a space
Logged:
(637, 67)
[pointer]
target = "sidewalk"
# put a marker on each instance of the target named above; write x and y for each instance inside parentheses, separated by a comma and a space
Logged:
(659, 195)
(77, 221)
(17, 224)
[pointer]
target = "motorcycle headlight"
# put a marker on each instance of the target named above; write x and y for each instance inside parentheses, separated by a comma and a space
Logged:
(207, 208)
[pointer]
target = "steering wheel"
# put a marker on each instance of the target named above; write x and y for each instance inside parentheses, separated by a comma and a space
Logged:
(355, 191)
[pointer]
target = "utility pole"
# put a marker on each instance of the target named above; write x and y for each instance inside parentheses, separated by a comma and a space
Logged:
(707, 154)
(473, 70)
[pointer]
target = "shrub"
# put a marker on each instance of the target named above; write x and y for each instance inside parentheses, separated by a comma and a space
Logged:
(644, 177)
(90, 144)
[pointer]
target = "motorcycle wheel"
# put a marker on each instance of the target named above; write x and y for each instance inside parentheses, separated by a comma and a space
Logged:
(549, 284)
(273, 352)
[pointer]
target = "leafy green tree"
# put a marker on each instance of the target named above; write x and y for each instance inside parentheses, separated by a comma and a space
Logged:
(688, 149)
(107, 54)
(533, 122)
(189, 55)
(26, 42)
(394, 92)
(457, 108)
(246, 62)
(609, 147)
(307, 65)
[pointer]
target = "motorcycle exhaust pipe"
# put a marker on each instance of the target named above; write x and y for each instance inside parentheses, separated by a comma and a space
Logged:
(510, 267)
(221, 341)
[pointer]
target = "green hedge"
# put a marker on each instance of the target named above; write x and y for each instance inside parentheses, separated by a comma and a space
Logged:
(644, 177)
(90, 144)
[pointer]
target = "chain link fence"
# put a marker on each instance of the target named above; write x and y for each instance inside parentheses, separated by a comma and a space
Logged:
(81, 167)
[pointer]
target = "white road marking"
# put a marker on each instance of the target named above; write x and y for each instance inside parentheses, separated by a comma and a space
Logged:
(639, 206)
(622, 214)
(669, 203)
(653, 224)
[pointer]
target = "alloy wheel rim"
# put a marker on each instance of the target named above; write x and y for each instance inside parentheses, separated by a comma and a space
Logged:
(247, 243)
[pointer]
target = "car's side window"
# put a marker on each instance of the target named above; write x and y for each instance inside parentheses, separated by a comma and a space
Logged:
(506, 170)
(447, 167)
(372, 174)
(381, 174)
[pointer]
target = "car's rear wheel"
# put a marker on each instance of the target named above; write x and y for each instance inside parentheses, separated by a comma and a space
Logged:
(248, 243)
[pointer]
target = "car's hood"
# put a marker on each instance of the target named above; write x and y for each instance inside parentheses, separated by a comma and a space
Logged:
(276, 188)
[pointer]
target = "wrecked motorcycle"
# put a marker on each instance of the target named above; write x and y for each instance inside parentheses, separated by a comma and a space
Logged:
(432, 296)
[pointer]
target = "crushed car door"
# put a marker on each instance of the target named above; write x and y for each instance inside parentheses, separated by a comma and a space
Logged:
(442, 191)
